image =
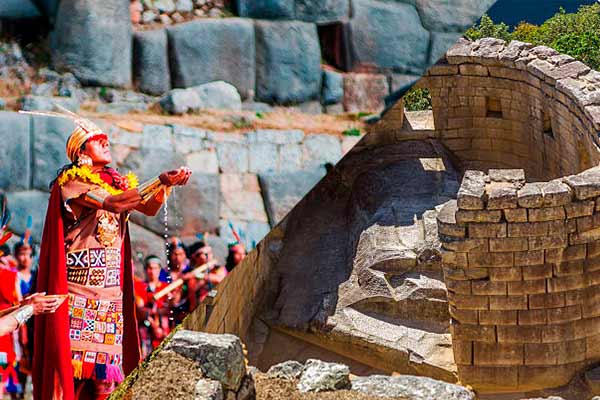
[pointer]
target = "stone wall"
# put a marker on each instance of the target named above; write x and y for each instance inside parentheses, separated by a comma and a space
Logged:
(513, 105)
(271, 53)
(250, 179)
(222, 312)
(518, 258)
(521, 268)
(249, 55)
(291, 74)
(403, 36)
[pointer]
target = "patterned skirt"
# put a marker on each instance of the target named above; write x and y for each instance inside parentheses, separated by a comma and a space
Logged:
(96, 333)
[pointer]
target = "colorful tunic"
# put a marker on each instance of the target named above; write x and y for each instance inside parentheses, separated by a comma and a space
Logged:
(93, 242)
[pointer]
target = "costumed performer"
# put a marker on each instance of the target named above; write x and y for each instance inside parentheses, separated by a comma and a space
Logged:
(83, 350)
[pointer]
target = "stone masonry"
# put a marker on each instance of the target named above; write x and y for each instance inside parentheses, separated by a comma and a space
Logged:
(519, 259)
(522, 268)
(519, 245)
(513, 105)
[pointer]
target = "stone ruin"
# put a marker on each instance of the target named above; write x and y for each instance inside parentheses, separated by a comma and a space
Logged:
(464, 250)
(520, 258)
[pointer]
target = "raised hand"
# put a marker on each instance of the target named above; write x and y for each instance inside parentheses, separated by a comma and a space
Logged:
(177, 177)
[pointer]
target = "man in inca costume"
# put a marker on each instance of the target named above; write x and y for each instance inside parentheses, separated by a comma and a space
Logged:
(89, 344)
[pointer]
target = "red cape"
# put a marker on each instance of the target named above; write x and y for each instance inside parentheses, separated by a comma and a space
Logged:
(52, 347)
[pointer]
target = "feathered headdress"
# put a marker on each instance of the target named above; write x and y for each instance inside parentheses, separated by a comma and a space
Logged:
(175, 242)
(236, 235)
(26, 239)
(84, 131)
(203, 236)
(4, 220)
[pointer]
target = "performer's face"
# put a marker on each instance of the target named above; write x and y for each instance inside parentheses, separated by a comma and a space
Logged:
(24, 258)
(238, 254)
(202, 255)
(153, 271)
(99, 151)
(178, 257)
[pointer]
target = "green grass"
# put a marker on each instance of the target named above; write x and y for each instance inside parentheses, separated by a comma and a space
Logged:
(417, 99)
(351, 132)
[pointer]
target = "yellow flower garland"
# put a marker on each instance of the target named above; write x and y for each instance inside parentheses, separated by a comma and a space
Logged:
(86, 174)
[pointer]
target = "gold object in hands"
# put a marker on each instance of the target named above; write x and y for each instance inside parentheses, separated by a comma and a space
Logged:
(150, 189)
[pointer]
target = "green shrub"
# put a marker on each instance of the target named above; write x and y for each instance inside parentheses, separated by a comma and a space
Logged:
(417, 99)
(576, 34)
(584, 47)
(525, 32)
(487, 28)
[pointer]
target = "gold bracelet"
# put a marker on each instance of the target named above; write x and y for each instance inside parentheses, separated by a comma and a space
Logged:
(149, 189)
(162, 194)
(95, 199)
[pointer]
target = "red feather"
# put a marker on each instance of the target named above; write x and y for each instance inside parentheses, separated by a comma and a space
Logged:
(5, 238)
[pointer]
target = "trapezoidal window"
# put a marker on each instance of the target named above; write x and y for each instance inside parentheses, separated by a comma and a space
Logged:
(493, 107)
(547, 125)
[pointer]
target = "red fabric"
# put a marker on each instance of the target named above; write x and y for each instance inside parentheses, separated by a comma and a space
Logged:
(147, 296)
(8, 298)
(132, 353)
(113, 178)
(139, 288)
(8, 288)
(52, 351)
(52, 348)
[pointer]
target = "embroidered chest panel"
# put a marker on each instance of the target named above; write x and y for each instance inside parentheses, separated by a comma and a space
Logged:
(95, 267)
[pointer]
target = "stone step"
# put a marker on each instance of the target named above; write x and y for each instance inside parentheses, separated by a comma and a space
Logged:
(399, 347)
(417, 300)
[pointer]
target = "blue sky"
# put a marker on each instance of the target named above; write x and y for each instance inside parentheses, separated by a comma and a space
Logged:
(534, 11)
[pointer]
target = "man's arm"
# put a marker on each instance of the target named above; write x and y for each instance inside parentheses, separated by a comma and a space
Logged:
(154, 191)
(152, 206)
(101, 200)
(8, 324)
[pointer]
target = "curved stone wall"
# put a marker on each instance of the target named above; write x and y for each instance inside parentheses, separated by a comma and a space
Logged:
(499, 105)
(521, 260)
(522, 265)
